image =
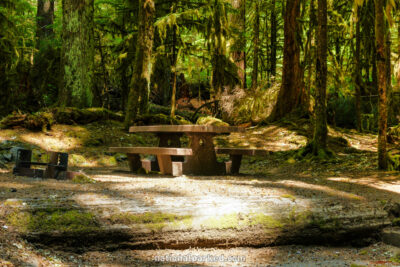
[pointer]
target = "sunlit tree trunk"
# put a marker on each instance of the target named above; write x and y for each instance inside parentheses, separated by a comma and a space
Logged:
(239, 54)
(77, 53)
(138, 99)
(320, 127)
(382, 82)
(256, 45)
(291, 94)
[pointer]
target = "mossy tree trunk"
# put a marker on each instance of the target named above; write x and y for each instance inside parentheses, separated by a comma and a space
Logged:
(273, 41)
(77, 53)
(291, 94)
(320, 127)
(138, 99)
(174, 67)
(309, 53)
(43, 71)
(218, 57)
(256, 44)
(382, 81)
(239, 54)
(44, 20)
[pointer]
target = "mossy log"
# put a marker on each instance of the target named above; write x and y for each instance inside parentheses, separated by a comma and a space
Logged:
(157, 119)
(187, 115)
(82, 116)
(35, 122)
(43, 120)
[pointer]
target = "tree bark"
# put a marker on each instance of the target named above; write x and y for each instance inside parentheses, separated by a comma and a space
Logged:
(320, 127)
(256, 45)
(358, 72)
(44, 21)
(291, 94)
(239, 54)
(77, 53)
(139, 88)
(174, 63)
(382, 82)
(273, 40)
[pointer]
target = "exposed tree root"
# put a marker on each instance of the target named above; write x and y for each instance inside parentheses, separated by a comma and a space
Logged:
(310, 152)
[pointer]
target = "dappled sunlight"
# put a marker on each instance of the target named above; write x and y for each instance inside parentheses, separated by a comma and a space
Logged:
(326, 189)
(50, 143)
(267, 138)
(4, 171)
(389, 184)
(15, 185)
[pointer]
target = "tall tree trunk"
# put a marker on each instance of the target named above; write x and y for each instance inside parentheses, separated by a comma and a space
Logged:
(382, 83)
(174, 62)
(41, 74)
(218, 57)
(256, 45)
(389, 90)
(320, 127)
(138, 99)
(77, 53)
(308, 54)
(273, 41)
(239, 54)
(291, 94)
(358, 71)
(44, 21)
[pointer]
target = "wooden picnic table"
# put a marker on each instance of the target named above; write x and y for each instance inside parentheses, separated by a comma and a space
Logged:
(203, 160)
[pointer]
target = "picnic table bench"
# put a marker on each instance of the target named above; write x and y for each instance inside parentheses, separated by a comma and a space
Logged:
(163, 156)
(199, 159)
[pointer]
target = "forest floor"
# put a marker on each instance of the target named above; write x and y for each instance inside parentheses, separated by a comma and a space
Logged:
(280, 211)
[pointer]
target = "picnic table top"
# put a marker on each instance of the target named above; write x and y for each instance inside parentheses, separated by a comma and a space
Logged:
(185, 129)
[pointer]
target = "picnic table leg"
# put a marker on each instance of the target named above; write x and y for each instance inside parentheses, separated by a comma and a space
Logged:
(204, 160)
(51, 169)
(165, 164)
(236, 162)
(134, 162)
(167, 140)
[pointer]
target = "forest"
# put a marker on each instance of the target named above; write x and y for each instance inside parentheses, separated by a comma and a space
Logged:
(306, 91)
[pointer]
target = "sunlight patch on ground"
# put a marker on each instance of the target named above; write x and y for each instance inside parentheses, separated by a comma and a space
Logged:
(14, 185)
(50, 143)
(4, 171)
(392, 186)
(325, 189)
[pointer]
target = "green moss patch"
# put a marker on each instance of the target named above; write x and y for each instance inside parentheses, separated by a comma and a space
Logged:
(227, 221)
(83, 179)
(154, 221)
(52, 220)
(211, 121)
